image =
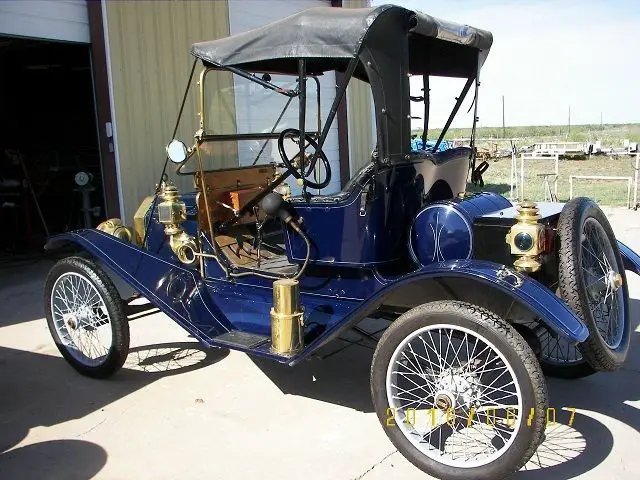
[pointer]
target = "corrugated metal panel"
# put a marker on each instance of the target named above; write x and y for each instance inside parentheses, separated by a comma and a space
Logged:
(359, 112)
(148, 45)
(56, 20)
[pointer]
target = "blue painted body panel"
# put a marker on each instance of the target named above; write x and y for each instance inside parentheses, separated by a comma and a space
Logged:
(444, 230)
(342, 234)
(630, 258)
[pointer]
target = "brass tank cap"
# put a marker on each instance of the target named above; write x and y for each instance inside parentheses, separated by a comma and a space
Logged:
(528, 212)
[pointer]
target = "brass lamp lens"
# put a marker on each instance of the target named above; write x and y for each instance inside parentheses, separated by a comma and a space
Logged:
(523, 241)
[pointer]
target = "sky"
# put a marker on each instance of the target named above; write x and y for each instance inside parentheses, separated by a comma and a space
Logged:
(547, 56)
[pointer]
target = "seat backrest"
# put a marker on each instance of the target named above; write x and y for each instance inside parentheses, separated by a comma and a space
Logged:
(355, 183)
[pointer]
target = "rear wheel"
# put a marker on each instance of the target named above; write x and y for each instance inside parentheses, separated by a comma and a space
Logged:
(459, 392)
(561, 359)
(86, 318)
(592, 281)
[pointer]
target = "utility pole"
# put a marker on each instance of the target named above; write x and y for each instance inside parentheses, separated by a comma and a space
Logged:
(504, 135)
(600, 120)
(569, 131)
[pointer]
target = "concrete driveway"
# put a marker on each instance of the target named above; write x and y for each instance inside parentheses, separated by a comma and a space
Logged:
(177, 411)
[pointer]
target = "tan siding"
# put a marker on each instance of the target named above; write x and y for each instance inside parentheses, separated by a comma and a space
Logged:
(150, 63)
(360, 117)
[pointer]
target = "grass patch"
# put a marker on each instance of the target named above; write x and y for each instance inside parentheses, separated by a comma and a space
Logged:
(610, 193)
(611, 135)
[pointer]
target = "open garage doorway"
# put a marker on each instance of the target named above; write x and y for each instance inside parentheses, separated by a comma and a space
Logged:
(50, 169)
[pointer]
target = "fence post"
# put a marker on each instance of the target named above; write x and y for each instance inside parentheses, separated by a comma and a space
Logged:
(570, 187)
(522, 177)
(629, 193)
(555, 186)
(635, 190)
(512, 178)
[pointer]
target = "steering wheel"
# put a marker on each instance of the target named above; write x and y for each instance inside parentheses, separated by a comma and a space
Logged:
(297, 167)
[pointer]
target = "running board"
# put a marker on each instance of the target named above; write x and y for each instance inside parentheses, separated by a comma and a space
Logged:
(241, 340)
(250, 343)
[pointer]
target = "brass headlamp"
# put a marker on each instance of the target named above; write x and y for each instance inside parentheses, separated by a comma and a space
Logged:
(172, 212)
(115, 227)
(526, 238)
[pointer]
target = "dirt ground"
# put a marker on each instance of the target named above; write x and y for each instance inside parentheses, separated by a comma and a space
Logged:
(178, 411)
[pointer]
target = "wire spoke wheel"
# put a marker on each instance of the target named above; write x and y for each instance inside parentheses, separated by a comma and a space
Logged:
(454, 395)
(86, 318)
(593, 283)
(558, 350)
(81, 318)
(463, 397)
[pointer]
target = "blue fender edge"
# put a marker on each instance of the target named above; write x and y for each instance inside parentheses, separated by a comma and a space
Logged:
(148, 274)
(537, 297)
(630, 258)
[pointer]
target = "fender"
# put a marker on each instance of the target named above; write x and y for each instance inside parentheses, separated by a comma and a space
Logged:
(630, 258)
(539, 299)
(177, 291)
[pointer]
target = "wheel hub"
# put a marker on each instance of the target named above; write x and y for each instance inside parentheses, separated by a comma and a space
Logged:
(614, 280)
(456, 387)
(71, 321)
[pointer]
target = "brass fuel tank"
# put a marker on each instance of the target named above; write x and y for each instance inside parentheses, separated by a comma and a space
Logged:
(287, 323)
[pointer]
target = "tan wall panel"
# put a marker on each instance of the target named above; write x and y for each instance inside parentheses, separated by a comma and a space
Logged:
(359, 112)
(360, 119)
(150, 63)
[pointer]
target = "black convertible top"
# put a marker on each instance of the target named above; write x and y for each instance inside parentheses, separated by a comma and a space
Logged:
(328, 37)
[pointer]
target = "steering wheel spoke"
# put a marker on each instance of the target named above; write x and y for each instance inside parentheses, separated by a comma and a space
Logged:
(297, 166)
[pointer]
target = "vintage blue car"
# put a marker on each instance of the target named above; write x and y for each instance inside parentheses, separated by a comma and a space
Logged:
(482, 295)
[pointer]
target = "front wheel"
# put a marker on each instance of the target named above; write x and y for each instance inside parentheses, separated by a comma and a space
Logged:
(459, 392)
(86, 317)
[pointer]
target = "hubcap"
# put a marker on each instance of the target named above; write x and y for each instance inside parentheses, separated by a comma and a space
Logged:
(81, 318)
(454, 396)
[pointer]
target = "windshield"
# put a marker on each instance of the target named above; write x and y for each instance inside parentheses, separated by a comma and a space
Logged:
(235, 106)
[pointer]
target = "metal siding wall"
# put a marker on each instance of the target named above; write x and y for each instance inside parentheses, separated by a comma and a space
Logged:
(359, 113)
(150, 63)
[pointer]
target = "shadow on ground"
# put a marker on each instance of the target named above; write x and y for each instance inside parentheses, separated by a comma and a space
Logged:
(55, 459)
(340, 375)
(43, 390)
(22, 292)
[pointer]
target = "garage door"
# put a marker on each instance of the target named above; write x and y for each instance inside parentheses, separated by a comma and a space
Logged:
(65, 20)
